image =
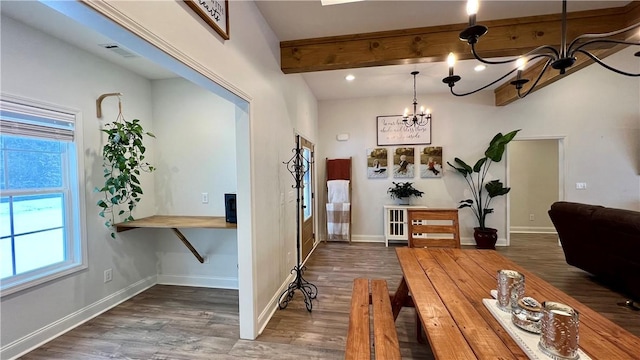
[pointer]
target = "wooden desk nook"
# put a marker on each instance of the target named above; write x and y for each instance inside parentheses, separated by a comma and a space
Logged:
(174, 222)
(447, 287)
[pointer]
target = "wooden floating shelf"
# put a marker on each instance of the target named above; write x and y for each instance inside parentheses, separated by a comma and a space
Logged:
(171, 221)
(174, 222)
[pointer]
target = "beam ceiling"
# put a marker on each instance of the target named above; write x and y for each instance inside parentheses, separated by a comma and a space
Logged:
(506, 37)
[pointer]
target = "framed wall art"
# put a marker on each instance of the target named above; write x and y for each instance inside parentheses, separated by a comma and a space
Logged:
(431, 162)
(403, 162)
(391, 130)
(377, 163)
(213, 12)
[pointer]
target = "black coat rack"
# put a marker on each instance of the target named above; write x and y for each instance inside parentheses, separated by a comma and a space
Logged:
(298, 166)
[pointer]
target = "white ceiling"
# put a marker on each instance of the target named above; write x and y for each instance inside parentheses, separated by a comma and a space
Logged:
(295, 19)
(42, 17)
(308, 19)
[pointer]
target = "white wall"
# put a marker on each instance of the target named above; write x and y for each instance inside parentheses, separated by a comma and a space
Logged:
(595, 110)
(533, 168)
(195, 154)
(74, 78)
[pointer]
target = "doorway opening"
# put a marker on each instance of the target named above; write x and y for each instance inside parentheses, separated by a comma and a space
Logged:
(535, 173)
(104, 20)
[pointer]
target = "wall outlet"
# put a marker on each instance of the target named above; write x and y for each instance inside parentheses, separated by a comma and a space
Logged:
(206, 259)
(205, 198)
(581, 185)
(108, 275)
(532, 217)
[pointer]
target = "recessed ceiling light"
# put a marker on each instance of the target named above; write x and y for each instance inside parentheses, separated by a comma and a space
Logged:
(349, 77)
(480, 67)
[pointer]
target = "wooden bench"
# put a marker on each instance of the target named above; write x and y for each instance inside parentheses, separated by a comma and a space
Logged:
(385, 337)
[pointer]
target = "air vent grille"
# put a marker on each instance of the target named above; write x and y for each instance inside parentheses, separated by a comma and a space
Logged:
(119, 50)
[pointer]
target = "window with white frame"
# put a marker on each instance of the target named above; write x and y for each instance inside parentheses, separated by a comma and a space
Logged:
(40, 219)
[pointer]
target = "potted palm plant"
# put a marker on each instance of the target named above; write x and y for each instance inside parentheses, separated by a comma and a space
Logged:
(482, 192)
(403, 191)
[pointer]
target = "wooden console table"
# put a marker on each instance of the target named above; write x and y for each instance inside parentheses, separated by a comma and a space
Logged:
(175, 222)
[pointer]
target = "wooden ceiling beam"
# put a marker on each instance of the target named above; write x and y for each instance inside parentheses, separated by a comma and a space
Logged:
(506, 93)
(507, 37)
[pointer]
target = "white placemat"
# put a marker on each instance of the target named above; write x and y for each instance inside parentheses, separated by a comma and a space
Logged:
(527, 341)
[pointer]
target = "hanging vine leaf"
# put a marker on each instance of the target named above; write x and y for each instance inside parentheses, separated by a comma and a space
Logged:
(123, 160)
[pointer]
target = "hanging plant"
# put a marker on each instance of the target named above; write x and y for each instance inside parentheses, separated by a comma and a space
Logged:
(123, 161)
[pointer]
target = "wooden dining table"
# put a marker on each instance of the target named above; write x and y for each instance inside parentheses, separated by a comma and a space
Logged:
(447, 288)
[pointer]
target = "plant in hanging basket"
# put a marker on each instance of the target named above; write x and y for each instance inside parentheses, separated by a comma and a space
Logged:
(123, 162)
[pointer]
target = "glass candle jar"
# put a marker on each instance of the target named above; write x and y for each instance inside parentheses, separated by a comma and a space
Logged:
(559, 331)
(510, 289)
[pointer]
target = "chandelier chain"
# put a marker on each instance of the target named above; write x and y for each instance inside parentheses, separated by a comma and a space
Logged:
(416, 119)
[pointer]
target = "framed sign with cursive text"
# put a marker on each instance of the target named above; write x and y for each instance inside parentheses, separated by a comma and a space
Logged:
(213, 12)
(392, 130)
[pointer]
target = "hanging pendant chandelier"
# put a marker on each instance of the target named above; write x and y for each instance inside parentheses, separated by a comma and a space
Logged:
(416, 119)
(560, 59)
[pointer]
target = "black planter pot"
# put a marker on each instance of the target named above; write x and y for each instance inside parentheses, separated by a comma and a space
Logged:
(485, 238)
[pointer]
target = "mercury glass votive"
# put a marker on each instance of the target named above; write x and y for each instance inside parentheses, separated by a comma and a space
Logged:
(559, 331)
(510, 289)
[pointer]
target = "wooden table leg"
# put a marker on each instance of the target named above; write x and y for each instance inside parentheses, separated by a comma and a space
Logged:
(400, 298)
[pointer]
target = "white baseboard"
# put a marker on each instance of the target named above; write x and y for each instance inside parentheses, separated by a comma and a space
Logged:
(272, 306)
(533, 230)
(199, 281)
(368, 238)
(45, 334)
(363, 238)
(471, 241)
(380, 239)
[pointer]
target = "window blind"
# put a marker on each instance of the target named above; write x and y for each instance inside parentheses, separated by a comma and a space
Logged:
(25, 120)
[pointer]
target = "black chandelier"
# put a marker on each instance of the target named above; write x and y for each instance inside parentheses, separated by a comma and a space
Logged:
(559, 59)
(416, 119)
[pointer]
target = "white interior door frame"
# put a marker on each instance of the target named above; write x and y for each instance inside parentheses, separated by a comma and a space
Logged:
(105, 18)
(562, 168)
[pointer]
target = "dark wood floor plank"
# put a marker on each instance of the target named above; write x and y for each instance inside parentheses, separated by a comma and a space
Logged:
(174, 322)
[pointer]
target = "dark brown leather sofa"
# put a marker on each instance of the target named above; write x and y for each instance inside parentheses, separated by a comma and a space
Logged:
(602, 241)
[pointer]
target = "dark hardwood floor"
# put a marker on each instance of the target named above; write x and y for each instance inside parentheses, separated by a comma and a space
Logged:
(173, 322)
